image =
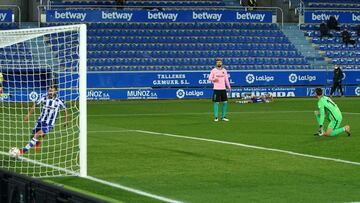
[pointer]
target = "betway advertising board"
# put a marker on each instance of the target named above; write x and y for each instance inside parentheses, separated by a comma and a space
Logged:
(158, 16)
(200, 79)
(6, 15)
(323, 16)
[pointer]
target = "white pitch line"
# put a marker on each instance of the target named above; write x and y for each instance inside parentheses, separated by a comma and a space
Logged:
(204, 113)
(249, 146)
(104, 182)
(109, 131)
(43, 164)
(139, 192)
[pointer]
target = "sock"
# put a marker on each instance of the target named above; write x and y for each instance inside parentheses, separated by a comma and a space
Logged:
(31, 143)
(216, 109)
(38, 143)
(318, 120)
(224, 109)
(337, 131)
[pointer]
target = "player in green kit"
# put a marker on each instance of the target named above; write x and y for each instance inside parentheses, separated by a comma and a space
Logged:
(331, 110)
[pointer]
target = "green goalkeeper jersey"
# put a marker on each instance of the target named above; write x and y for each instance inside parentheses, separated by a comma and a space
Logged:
(326, 105)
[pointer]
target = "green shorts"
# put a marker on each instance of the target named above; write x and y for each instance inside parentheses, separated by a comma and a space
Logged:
(335, 123)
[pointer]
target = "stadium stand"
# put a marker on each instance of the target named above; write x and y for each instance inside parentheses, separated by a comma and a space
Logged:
(351, 4)
(196, 3)
(189, 46)
(141, 3)
(8, 26)
(186, 46)
(333, 47)
(84, 2)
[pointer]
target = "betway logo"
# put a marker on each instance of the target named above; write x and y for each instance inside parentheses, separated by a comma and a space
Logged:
(355, 17)
(3, 16)
(162, 16)
(116, 16)
(323, 16)
(70, 15)
(250, 16)
(206, 16)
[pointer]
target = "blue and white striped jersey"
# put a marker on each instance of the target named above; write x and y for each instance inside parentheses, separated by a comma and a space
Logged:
(49, 109)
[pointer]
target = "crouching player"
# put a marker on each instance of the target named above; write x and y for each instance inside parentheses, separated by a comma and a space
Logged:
(265, 98)
(333, 113)
(50, 106)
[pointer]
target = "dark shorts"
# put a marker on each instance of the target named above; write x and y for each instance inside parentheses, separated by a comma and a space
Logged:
(256, 100)
(42, 126)
(219, 96)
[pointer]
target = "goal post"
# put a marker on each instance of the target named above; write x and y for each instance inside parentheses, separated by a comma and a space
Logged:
(32, 61)
(83, 100)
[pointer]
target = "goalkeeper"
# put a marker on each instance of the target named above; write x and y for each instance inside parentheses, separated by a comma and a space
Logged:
(50, 106)
(333, 113)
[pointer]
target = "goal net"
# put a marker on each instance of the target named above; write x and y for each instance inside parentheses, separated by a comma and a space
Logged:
(32, 61)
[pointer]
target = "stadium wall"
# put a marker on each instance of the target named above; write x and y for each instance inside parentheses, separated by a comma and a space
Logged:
(180, 85)
(190, 85)
(206, 93)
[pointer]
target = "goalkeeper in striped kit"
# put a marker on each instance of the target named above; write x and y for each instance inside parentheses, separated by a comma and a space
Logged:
(219, 77)
(50, 106)
(329, 109)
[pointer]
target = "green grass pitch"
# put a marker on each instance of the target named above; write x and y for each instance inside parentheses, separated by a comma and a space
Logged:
(200, 171)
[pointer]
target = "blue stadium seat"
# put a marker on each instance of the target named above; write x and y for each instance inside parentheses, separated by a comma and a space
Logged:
(189, 46)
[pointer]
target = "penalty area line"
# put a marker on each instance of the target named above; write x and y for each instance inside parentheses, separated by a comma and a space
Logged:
(250, 146)
(104, 182)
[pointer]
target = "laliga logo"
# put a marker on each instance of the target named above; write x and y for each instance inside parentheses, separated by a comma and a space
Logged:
(250, 78)
(293, 78)
(357, 91)
(180, 93)
(33, 96)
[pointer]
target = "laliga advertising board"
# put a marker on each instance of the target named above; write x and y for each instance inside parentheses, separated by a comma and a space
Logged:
(185, 93)
(161, 85)
(203, 93)
(200, 78)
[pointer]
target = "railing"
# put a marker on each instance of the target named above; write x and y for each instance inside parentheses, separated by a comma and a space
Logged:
(14, 7)
(294, 3)
(277, 10)
(46, 3)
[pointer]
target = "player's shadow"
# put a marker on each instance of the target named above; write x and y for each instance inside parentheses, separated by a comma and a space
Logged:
(183, 152)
